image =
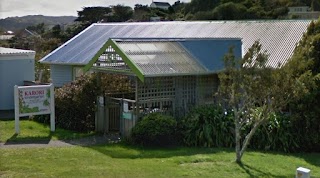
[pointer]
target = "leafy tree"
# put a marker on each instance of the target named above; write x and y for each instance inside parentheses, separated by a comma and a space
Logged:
(90, 15)
(202, 15)
(56, 31)
(200, 5)
(306, 111)
(73, 30)
(254, 91)
(141, 13)
(230, 11)
(120, 13)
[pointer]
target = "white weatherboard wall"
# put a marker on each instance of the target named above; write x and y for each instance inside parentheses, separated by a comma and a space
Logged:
(61, 74)
(16, 66)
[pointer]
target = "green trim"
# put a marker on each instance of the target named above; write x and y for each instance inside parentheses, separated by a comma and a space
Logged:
(97, 55)
(135, 69)
(113, 70)
(131, 64)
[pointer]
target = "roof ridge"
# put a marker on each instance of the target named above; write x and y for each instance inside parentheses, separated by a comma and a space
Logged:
(209, 21)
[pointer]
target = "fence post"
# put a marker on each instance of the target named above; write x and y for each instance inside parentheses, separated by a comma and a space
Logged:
(16, 109)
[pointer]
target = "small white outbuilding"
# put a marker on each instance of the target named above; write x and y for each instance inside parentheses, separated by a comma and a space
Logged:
(16, 66)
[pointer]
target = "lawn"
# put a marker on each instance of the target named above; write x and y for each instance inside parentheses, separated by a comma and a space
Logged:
(31, 130)
(121, 160)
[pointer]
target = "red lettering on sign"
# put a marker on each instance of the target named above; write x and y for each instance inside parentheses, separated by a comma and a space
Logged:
(34, 93)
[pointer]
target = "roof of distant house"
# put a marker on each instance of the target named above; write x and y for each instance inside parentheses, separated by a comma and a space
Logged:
(6, 37)
(162, 4)
(12, 51)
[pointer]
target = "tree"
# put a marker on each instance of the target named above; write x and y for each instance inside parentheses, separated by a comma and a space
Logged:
(230, 11)
(200, 5)
(120, 13)
(253, 91)
(306, 111)
(141, 13)
(91, 15)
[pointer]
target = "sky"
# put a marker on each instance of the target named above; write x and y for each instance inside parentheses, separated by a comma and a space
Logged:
(13, 8)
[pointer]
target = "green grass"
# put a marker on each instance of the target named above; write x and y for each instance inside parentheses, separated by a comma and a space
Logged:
(121, 160)
(31, 130)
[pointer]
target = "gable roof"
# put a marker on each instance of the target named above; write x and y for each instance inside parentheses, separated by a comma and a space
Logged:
(164, 57)
(15, 52)
(278, 37)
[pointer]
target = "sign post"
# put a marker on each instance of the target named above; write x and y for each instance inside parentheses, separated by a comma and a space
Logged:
(34, 100)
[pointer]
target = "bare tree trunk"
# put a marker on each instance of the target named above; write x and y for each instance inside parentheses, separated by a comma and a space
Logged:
(249, 136)
(237, 135)
(240, 149)
(238, 142)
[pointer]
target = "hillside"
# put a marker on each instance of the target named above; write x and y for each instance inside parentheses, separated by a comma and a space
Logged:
(17, 23)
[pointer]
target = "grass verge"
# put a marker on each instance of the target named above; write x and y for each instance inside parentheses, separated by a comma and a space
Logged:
(119, 160)
(31, 130)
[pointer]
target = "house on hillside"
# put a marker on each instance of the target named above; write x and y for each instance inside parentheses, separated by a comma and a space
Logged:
(6, 37)
(160, 5)
(303, 12)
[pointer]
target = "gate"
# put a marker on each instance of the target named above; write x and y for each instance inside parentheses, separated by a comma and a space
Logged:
(113, 115)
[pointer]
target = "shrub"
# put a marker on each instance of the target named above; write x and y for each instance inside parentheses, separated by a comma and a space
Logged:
(288, 133)
(75, 104)
(207, 126)
(154, 129)
(276, 135)
(306, 127)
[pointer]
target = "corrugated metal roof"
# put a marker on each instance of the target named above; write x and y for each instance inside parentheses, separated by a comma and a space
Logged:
(278, 37)
(14, 52)
(160, 57)
(147, 57)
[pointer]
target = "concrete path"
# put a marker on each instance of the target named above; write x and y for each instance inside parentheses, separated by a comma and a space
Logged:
(87, 141)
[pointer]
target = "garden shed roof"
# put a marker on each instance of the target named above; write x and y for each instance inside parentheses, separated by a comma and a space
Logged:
(278, 37)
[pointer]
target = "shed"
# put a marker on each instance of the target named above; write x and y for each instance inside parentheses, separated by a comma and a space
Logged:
(278, 38)
(16, 66)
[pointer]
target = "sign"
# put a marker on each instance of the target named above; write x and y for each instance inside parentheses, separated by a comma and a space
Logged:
(34, 100)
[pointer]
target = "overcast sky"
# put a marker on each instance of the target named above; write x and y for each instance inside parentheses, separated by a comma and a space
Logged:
(12, 8)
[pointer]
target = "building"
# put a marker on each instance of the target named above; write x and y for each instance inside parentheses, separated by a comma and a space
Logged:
(303, 12)
(6, 37)
(16, 66)
(278, 38)
(160, 5)
(171, 66)
(166, 75)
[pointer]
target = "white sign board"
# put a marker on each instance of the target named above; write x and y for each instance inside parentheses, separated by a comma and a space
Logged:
(34, 100)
